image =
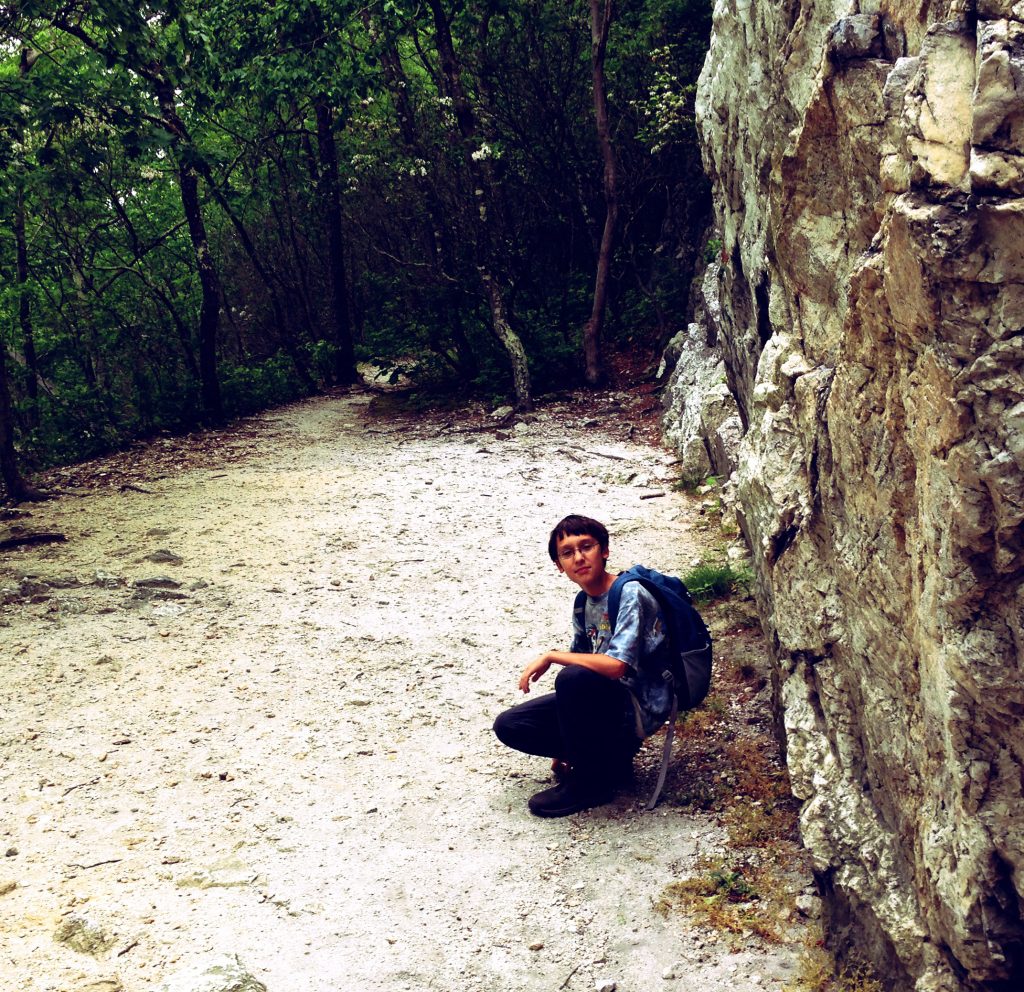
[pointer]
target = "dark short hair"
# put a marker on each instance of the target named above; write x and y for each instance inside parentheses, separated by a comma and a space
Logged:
(574, 526)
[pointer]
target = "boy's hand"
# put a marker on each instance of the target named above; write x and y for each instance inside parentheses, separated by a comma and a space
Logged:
(533, 671)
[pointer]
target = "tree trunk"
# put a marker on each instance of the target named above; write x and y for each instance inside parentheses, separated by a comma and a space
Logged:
(17, 488)
(85, 319)
(28, 341)
(139, 270)
(510, 341)
(281, 330)
(25, 63)
(286, 236)
(601, 14)
(167, 299)
(441, 253)
(209, 312)
(479, 172)
(344, 356)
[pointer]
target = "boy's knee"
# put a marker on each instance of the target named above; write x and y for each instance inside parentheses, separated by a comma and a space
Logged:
(502, 726)
(575, 678)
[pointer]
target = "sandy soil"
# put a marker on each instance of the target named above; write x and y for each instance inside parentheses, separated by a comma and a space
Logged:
(247, 710)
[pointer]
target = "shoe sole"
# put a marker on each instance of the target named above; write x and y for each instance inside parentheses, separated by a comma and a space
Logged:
(558, 811)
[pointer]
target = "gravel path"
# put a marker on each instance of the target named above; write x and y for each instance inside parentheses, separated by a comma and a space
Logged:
(247, 707)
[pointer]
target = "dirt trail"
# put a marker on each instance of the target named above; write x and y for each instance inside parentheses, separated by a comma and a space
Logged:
(284, 752)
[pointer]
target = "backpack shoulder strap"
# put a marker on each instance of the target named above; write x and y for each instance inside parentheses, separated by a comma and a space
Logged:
(615, 593)
(648, 578)
(579, 607)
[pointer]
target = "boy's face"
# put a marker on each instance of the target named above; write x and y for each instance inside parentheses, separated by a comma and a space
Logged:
(582, 559)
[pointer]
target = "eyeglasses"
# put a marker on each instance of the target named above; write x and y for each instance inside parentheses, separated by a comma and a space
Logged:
(567, 554)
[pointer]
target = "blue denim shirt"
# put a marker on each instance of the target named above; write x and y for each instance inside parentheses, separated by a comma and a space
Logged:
(639, 633)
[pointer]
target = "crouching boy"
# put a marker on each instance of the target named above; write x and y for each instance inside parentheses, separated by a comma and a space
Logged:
(603, 704)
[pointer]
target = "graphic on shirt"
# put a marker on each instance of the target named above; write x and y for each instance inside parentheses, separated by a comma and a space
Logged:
(598, 632)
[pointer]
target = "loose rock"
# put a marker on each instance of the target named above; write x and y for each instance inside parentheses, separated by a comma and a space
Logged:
(220, 973)
(165, 557)
(229, 873)
(81, 935)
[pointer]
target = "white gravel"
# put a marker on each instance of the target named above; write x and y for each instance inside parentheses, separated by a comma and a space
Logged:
(295, 763)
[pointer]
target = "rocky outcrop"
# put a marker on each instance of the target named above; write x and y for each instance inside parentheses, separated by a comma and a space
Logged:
(868, 172)
(704, 427)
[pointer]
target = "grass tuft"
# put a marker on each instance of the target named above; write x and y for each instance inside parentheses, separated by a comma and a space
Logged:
(710, 581)
(726, 897)
(818, 972)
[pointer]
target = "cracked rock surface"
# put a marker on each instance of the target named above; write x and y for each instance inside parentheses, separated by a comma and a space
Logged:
(867, 306)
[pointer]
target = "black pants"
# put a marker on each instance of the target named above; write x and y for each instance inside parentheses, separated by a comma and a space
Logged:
(587, 721)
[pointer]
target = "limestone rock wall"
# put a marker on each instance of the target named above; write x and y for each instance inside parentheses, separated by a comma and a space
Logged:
(868, 170)
(704, 425)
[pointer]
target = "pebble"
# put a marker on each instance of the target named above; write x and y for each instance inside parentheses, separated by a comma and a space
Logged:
(605, 986)
(165, 557)
(105, 580)
(157, 582)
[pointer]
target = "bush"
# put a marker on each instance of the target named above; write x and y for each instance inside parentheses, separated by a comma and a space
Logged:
(256, 386)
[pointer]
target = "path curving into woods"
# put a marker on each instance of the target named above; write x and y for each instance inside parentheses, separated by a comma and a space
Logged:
(247, 706)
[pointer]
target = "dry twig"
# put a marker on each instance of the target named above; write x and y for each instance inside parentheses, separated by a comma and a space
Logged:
(30, 537)
(81, 785)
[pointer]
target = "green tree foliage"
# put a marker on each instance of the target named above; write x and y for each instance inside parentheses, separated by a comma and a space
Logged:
(208, 208)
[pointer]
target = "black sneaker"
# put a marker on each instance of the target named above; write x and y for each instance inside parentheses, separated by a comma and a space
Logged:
(568, 797)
